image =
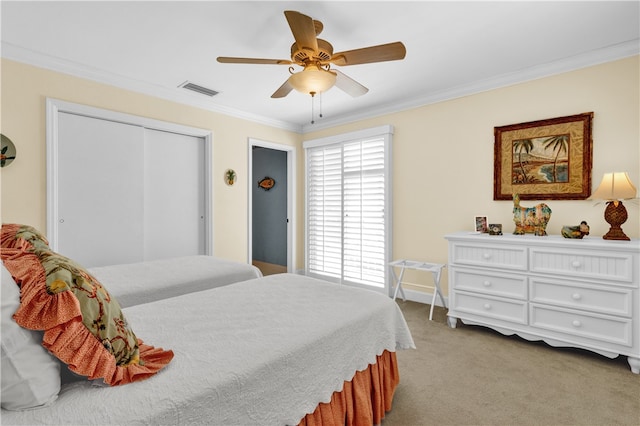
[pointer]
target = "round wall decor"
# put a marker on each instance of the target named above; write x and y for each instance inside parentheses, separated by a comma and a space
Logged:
(7, 151)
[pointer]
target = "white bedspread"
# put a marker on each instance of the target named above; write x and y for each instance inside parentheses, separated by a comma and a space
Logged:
(144, 282)
(259, 352)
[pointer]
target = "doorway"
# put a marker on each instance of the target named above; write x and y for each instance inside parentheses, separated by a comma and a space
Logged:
(271, 202)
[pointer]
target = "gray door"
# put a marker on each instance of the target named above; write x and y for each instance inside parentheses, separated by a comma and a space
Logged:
(269, 215)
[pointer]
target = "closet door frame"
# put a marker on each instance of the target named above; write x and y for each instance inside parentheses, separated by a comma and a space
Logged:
(56, 106)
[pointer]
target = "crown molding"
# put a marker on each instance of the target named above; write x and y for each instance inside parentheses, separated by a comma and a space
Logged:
(592, 58)
(587, 59)
(52, 63)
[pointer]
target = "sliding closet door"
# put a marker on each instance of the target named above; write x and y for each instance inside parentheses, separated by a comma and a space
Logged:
(124, 189)
(100, 190)
(174, 204)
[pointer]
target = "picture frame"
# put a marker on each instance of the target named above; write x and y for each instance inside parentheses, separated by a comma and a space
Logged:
(544, 160)
(495, 229)
(481, 225)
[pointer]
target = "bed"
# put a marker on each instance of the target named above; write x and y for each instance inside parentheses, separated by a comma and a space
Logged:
(278, 350)
(136, 283)
(265, 351)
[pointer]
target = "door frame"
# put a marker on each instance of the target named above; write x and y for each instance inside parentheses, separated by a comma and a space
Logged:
(291, 198)
(56, 106)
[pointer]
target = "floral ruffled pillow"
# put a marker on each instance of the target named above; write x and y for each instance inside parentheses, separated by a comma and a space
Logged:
(83, 325)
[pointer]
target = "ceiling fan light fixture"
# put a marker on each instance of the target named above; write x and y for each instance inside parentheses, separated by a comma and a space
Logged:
(313, 80)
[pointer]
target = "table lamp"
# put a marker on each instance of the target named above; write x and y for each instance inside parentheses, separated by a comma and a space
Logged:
(614, 188)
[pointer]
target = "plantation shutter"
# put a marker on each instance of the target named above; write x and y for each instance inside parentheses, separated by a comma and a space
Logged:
(348, 208)
(325, 211)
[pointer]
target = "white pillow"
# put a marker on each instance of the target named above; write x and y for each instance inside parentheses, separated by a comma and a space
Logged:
(30, 374)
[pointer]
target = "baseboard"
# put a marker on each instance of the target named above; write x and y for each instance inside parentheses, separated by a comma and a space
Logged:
(421, 297)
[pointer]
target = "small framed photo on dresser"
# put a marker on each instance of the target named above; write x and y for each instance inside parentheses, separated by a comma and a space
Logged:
(481, 224)
(495, 229)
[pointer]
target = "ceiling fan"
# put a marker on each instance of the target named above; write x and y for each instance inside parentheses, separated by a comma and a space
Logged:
(316, 56)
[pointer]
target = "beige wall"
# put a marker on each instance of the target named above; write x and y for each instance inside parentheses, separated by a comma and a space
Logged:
(443, 153)
(24, 92)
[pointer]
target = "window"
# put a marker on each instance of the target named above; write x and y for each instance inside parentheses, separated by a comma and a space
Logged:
(348, 207)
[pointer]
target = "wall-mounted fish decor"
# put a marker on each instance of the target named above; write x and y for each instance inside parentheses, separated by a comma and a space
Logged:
(267, 183)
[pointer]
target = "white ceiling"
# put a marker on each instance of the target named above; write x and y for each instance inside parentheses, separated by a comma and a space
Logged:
(453, 48)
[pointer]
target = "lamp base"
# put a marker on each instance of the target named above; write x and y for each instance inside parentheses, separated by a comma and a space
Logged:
(615, 214)
(616, 234)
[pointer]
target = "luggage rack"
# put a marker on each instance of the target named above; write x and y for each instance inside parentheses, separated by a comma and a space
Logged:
(434, 268)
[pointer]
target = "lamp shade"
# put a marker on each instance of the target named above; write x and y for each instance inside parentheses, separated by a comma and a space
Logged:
(615, 186)
(312, 80)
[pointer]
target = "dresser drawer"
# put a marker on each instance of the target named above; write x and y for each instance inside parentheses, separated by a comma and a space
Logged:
(496, 284)
(598, 265)
(602, 299)
(575, 324)
(490, 307)
(568, 292)
(509, 257)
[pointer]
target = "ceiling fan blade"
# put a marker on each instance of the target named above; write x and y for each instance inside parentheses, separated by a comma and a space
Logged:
(283, 90)
(303, 29)
(228, 60)
(367, 55)
(349, 85)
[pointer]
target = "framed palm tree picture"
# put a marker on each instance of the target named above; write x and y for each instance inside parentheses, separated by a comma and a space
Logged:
(544, 160)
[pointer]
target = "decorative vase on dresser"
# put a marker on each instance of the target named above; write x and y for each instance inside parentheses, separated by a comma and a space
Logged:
(581, 293)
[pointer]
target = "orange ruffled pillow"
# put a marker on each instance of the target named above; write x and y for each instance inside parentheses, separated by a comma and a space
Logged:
(83, 325)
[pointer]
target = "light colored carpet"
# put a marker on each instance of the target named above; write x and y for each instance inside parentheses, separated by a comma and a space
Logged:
(475, 376)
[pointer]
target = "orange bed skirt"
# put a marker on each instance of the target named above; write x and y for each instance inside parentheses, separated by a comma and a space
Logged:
(364, 400)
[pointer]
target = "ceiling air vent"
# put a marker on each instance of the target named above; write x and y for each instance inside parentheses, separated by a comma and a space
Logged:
(197, 88)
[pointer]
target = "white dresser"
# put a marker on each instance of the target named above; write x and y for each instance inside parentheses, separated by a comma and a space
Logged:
(567, 292)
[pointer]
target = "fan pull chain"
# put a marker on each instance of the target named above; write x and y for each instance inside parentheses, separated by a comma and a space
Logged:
(313, 94)
(313, 109)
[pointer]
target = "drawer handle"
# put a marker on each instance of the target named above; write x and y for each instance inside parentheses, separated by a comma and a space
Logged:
(576, 323)
(486, 283)
(486, 256)
(487, 306)
(576, 264)
(576, 296)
